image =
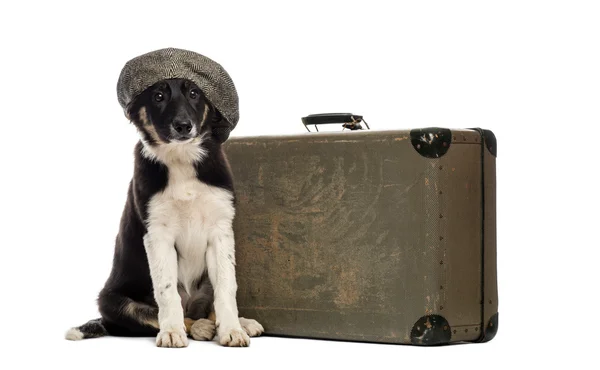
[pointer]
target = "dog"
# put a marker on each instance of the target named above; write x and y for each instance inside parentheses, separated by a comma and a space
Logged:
(173, 272)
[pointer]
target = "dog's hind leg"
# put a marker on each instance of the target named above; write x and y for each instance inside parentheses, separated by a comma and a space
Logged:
(198, 321)
(252, 327)
(205, 329)
(123, 316)
(201, 329)
(200, 315)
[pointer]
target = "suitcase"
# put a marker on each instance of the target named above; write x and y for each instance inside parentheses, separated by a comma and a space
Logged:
(371, 236)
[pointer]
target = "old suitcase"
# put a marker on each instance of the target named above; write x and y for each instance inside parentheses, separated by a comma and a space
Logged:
(375, 236)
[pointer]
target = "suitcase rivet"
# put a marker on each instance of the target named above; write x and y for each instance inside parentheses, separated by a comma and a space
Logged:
(441, 287)
(441, 238)
(466, 330)
(490, 301)
(454, 331)
(441, 262)
(441, 216)
(476, 329)
(441, 308)
(441, 192)
(442, 166)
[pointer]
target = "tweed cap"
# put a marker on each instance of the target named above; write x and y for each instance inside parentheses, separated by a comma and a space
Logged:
(145, 70)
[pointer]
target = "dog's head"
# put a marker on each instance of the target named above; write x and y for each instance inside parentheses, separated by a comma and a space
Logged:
(175, 111)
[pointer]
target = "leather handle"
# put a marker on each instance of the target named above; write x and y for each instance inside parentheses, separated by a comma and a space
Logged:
(348, 120)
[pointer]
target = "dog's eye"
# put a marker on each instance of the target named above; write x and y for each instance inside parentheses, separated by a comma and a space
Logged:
(158, 97)
(194, 94)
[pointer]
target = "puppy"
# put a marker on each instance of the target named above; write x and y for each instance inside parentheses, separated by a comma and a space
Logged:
(173, 272)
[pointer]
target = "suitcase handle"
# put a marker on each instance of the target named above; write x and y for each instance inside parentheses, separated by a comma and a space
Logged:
(348, 120)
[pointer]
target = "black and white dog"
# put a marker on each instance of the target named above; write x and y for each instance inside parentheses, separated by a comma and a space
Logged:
(173, 272)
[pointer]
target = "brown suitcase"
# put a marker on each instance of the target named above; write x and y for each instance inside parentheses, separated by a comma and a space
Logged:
(375, 236)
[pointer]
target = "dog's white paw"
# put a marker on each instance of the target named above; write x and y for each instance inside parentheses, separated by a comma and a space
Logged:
(172, 339)
(234, 338)
(251, 327)
(203, 329)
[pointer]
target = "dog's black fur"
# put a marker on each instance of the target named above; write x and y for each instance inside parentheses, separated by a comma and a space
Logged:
(127, 303)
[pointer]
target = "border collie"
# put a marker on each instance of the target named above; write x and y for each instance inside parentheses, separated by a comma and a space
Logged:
(173, 271)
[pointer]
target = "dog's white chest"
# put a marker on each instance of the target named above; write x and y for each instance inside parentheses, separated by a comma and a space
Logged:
(190, 213)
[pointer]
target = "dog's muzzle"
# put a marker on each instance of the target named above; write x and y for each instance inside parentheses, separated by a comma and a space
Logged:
(182, 130)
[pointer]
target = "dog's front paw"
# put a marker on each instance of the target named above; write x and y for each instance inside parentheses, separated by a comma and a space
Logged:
(234, 338)
(172, 339)
(203, 329)
(251, 327)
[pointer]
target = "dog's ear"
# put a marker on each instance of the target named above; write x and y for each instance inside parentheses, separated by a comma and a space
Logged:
(127, 112)
(220, 127)
(131, 113)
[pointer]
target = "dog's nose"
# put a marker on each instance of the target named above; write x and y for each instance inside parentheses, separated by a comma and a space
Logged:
(182, 127)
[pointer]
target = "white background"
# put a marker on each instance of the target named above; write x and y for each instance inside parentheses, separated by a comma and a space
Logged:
(528, 70)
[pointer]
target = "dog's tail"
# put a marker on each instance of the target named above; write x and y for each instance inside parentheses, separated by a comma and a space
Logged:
(91, 329)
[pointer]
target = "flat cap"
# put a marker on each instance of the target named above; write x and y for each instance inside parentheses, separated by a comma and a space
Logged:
(145, 70)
